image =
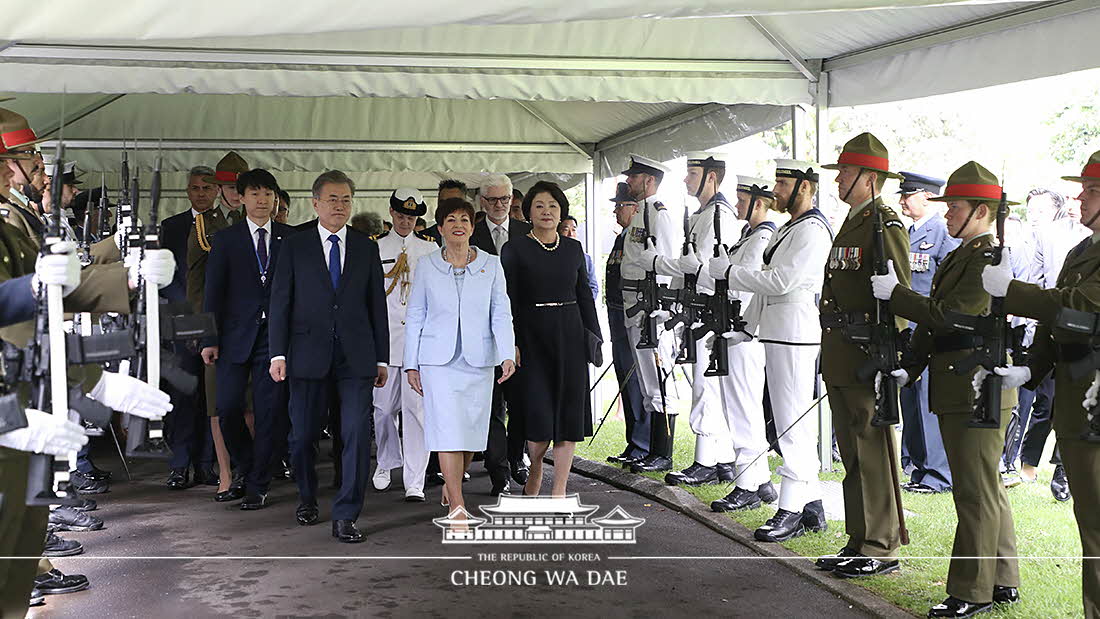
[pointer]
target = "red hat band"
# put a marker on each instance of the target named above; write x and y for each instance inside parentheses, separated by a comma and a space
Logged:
(867, 161)
(223, 175)
(992, 192)
(1092, 170)
(22, 136)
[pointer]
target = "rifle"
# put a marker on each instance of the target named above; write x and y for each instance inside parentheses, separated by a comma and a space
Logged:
(723, 313)
(150, 295)
(103, 209)
(689, 301)
(997, 336)
(47, 367)
(1084, 325)
(651, 295)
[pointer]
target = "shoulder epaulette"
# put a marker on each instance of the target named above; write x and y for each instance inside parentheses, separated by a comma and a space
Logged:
(424, 236)
(5, 211)
(375, 237)
(658, 205)
(893, 222)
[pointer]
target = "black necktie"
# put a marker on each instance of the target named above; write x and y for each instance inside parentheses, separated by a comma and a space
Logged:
(261, 250)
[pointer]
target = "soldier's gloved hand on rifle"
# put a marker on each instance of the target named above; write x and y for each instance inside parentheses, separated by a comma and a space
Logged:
(882, 286)
(689, 264)
(647, 257)
(902, 375)
(732, 338)
(1091, 396)
(61, 267)
(1014, 376)
(48, 434)
(129, 395)
(718, 266)
(158, 266)
(660, 315)
(123, 233)
(997, 277)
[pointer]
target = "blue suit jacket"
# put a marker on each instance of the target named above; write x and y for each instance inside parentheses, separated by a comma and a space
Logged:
(932, 240)
(432, 327)
(308, 316)
(173, 236)
(235, 293)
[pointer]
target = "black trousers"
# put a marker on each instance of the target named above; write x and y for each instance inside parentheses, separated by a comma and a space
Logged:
(1038, 424)
(309, 400)
(254, 457)
(187, 427)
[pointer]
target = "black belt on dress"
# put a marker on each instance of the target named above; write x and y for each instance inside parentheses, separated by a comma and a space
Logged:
(556, 303)
(956, 341)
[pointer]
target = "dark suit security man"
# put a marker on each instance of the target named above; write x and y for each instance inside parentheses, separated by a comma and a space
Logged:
(238, 292)
(922, 450)
(328, 329)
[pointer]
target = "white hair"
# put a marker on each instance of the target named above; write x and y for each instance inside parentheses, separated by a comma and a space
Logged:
(495, 180)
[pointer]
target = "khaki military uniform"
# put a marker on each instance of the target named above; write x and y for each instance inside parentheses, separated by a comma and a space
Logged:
(869, 509)
(207, 224)
(1078, 287)
(18, 220)
(985, 526)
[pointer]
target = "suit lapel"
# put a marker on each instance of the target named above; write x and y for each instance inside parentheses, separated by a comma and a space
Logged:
(316, 254)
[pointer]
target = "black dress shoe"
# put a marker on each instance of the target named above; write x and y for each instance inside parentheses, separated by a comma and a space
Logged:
(346, 531)
(86, 505)
(500, 487)
(767, 492)
(520, 473)
(829, 563)
(652, 464)
(54, 582)
(619, 459)
(630, 460)
(254, 501)
(726, 471)
(813, 517)
(97, 474)
(306, 514)
(206, 477)
(282, 471)
(178, 479)
(69, 519)
(234, 493)
(784, 525)
(1005, 595)
(954, 607)
(58, 547)
(238, 482)
(922, 488)
(738, 500)
(858, 567)
(1059, 485)
(694, 475)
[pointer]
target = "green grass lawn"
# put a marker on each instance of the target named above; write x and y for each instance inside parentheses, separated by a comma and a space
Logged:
(1051, 587)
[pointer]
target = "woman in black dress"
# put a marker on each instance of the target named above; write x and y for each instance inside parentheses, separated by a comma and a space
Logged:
(552, 314)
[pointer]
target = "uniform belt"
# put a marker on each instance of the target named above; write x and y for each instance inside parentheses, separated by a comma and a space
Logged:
(1073, 352)
(795, 296)
(556, 303)
(956, 341)
(839, 320)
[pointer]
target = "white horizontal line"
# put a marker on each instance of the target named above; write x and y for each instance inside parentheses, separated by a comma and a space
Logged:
(254, 558)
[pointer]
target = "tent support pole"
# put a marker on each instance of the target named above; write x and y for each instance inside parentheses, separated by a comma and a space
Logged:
(821, 147)
(553, 128)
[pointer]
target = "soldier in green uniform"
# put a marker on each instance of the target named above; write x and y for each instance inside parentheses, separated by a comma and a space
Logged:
(985, 526)
(870, 510)
(24, 169)
(207, 224)
(1078, 287)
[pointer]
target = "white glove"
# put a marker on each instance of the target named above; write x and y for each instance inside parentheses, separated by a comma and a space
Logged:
(883, 285)
(736, 337)
(718, 266)
(129, 395)
(901, 375)
(1091, 396)
(660, 315)
(158, 266)
(60, 266)
(997, 277)
(123, 233)
(689, 264)
(1014, 376)
(46, 434)
(646, 259)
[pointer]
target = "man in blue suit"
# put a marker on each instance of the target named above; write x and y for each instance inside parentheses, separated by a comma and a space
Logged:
(329, 330)
(922, 450)
(238, 291)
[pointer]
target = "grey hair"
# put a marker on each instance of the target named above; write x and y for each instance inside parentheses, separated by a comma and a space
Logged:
(200, 170)
(495, 180)
(335, 177)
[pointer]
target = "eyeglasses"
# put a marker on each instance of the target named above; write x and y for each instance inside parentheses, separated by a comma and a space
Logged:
(501, 200)
(337, 201)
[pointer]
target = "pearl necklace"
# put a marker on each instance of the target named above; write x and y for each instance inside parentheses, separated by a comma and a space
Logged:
(469, 257)
(557, 241)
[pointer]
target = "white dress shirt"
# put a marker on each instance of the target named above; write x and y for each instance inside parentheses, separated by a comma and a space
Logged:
(326, 245)
(252, 229)
(503, 232)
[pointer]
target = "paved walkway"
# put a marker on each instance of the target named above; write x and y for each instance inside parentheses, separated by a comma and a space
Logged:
(179, 554)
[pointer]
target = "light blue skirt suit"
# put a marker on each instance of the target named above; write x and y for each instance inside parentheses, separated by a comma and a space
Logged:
(458, 327)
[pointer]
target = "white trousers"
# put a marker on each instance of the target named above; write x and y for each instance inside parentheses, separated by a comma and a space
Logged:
(648, 379)
(707, 419)
(406, 449)
(743, 403)
(790, 371)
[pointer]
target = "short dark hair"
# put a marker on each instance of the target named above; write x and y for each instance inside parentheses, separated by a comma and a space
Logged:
(451, 205)
(517, 196)
(545, 187)
(336, 177)
(1056, 198)
(257, 178)
(570, 218)
(367, 223)
(452, 183)
(284, 196)
(420, 222)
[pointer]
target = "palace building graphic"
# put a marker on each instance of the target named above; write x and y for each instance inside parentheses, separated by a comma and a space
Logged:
(539, 519)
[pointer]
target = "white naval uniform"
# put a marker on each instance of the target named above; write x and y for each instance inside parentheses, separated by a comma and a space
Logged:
(743, 387)
(668, 242)
(397, 396)
(713, 443)
(785, 317)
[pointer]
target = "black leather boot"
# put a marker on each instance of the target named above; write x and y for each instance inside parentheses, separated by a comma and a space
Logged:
(784, 525)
